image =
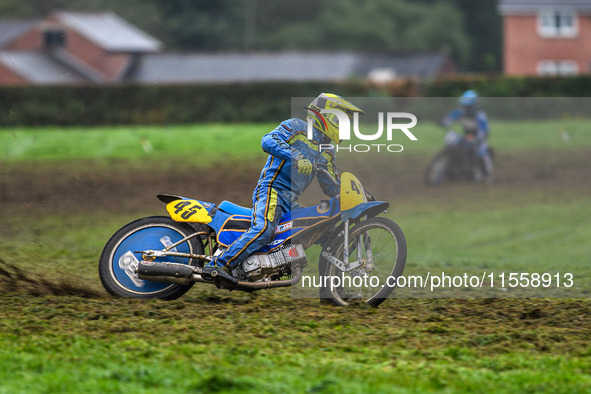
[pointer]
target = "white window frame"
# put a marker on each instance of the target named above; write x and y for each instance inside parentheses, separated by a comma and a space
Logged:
(548, 27)
(557, 67)
(547, 68)
(568, 67)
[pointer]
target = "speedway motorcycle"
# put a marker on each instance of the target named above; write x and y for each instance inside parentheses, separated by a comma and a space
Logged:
(457, 161)
(163, 257)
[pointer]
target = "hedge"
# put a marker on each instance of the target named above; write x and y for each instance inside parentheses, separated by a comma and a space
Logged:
(164, 104)
(501, 86)
(155, 104)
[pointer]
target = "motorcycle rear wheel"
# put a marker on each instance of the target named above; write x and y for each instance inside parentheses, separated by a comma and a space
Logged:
(381, 245)
(119, 258)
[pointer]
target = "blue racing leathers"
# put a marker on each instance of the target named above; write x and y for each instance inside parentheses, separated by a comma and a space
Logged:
(280, 185)
(474, 121)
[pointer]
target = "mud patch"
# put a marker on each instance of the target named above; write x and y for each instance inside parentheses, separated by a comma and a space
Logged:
(15, 280)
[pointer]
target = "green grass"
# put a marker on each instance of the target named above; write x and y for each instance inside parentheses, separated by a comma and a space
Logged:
(197, 144)
(241, 343)
(202, 144)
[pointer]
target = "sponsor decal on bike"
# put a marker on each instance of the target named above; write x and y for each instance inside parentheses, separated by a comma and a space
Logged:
(282, 227)
(276, 242)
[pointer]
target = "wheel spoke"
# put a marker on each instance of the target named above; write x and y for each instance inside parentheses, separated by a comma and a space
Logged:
(380, 245)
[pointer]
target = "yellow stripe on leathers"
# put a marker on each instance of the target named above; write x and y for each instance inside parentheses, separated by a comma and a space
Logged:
(254, 210)
(272, 205)
(302, 137)
(329, 157)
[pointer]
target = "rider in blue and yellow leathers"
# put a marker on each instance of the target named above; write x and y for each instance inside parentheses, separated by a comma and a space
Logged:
(287, 173)
(475, 122)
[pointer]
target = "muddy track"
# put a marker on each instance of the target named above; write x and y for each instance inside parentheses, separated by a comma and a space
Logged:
(77, 188)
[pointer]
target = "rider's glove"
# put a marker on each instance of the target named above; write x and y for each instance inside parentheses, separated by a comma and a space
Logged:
(305, 166)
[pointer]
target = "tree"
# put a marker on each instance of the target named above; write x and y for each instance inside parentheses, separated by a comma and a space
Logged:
(484, 27)
(203, 24)
(377, 25)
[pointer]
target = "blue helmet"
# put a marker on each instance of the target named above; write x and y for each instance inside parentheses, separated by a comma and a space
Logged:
(469, 98)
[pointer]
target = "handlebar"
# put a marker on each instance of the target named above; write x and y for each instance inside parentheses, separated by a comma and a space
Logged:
(322, 169)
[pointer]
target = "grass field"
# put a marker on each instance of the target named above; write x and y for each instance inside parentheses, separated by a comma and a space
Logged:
(242, 141)
(60, 332)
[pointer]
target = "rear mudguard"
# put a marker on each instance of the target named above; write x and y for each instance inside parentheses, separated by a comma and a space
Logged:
(186, 210)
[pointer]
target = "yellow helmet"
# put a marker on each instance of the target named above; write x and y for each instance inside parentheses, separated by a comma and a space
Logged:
(329, 123)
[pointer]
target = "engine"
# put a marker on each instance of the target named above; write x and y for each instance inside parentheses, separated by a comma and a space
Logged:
(271, 266)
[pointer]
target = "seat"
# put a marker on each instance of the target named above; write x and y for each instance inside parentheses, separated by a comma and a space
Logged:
(234, 209)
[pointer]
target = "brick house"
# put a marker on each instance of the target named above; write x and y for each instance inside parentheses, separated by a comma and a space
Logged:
(79, 48)
(71, 47)
(546, 37)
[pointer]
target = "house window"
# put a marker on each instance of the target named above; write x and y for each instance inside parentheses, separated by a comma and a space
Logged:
(54, 39)
(558, 23)
(560, 67)
(568, 67)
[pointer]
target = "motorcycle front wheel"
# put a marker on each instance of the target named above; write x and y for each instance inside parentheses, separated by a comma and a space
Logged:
(120, 257)
(437, 169)
(379, 244)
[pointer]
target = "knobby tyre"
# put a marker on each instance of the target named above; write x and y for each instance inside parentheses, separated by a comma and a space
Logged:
(119, 258)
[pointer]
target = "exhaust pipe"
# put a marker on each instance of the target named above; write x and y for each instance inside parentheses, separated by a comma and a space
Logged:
(176, 273)
(182, 274)
(250, 286)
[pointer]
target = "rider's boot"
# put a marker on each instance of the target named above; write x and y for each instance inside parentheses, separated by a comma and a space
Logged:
(220, 276)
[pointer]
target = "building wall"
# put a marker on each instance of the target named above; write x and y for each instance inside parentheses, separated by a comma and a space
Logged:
(32, 39)
(9, 77)
(108, 64)
(524, 48)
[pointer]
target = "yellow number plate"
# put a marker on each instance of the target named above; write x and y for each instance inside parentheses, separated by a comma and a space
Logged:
(188, 211)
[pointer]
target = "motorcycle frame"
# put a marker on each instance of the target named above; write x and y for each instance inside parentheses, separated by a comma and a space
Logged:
(312, 238)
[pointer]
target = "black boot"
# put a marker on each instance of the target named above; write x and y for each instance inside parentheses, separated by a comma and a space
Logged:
(220, 277)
